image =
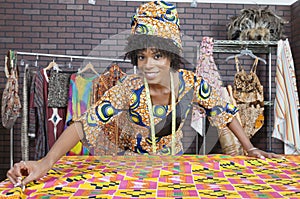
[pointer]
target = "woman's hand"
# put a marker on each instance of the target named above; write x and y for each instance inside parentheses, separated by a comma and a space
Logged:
(33, 170)
(255, 152)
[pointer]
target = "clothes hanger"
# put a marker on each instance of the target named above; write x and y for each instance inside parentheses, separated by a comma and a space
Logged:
(53, 65)
(114, 67)
(246, 52)
(87, 67)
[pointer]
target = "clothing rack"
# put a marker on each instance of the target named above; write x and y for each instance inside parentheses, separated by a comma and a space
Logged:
(73, 57)
(263, 47)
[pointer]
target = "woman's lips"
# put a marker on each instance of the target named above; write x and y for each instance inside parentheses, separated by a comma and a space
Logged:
(151, 75)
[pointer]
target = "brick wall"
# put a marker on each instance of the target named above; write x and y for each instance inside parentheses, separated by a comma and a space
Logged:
(295, 45)
(73, 27)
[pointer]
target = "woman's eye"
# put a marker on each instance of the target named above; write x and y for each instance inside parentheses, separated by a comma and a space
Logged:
(157, 56)
(140, 57)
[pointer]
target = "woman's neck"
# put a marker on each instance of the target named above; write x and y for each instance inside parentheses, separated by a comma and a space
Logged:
(161, 94)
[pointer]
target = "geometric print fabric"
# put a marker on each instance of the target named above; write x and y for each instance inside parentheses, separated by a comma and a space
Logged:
(187, 176)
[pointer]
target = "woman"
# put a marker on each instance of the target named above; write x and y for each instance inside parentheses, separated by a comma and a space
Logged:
(144, 114)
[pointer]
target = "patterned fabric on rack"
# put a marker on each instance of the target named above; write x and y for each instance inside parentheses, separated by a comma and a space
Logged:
(58, 89)
(286, 126)
(248, 93)
(80, 94)
(106, 81)
(193, 177)
(207, 69)
(10, 103)
(47, 123)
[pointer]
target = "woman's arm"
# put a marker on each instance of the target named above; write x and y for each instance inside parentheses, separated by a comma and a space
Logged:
(37, 169)
(238, 131)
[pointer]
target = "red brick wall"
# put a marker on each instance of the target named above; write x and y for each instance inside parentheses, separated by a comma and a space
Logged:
(73, 27)
(295, 44)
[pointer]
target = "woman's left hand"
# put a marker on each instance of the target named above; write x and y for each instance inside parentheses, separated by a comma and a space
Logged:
(257, 153)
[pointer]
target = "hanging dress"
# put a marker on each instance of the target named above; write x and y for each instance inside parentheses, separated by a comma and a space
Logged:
(207, 69)
(80, 94)
(248, 93)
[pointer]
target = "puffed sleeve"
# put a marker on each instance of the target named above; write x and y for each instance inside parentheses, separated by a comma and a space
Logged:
(218, 110)
(98, 120)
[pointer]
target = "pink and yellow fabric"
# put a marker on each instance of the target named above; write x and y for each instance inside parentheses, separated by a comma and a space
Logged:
(122, 177)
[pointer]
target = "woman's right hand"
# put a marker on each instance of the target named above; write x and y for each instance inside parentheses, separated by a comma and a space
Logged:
(33, 170)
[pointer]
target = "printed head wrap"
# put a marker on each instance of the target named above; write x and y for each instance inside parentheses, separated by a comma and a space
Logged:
(157, 18)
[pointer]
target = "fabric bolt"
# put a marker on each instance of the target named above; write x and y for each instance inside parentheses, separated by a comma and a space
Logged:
(79, 100)
(125, 104)
(152, 177)
(286, 125)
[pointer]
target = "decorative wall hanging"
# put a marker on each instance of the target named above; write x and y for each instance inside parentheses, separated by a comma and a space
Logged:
(259, 24)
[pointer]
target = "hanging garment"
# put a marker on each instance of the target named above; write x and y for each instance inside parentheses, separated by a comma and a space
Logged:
(46, 123)
(24, 125)
(80, 94)
(59, 83)
(11, 104)
(207, 69)
(286, 125)
(106, 81)
(248, 93)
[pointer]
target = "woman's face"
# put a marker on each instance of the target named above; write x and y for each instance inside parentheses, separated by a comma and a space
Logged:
(154, 65)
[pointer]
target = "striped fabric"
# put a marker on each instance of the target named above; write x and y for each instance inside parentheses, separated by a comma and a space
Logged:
(286, 125)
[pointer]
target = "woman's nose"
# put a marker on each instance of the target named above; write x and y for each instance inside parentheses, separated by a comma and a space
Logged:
(148, 63)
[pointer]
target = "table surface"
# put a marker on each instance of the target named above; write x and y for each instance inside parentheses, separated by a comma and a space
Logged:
(187, 176)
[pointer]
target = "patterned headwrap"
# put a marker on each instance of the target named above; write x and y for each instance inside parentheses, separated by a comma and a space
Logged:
(157, 18)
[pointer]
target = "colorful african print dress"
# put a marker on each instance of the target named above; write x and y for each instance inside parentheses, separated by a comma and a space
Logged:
(119, 123)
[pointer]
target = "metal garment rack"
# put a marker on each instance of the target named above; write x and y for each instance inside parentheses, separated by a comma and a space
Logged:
(72, 56)
(259, 47)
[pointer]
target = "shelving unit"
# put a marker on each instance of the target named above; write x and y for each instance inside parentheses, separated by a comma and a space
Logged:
(257, 47)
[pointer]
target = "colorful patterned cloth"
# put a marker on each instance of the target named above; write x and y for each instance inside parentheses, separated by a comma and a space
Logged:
(80, 94)
(157, 18)
(120, 177)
